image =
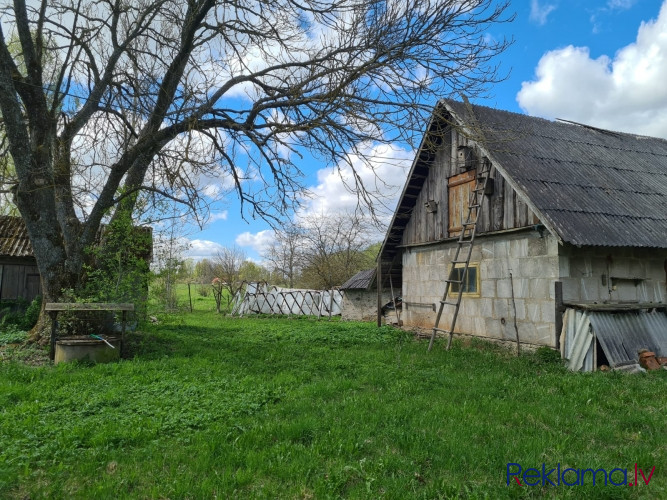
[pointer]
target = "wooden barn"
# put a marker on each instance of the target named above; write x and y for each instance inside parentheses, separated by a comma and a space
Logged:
(19, 277)
(572, 222)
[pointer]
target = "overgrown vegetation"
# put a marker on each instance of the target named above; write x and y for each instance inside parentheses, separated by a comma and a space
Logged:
(19, 314)
(212, 406)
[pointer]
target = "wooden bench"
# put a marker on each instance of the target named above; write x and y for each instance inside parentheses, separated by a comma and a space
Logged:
(53, 308)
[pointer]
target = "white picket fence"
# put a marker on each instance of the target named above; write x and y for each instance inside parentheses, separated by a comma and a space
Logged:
(262, 298)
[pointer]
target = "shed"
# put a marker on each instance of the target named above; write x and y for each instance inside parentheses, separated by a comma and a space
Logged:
(360, 297)
(573, 216)
(19, 276)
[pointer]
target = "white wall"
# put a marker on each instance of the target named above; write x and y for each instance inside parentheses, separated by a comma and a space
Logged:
(534, 264)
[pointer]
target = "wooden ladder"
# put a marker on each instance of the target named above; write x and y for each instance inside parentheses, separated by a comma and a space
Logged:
(466, 239)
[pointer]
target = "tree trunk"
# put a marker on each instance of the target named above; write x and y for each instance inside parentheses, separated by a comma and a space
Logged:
(55, 287)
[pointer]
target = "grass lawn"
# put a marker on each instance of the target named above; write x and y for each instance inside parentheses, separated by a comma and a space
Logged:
(294, 408)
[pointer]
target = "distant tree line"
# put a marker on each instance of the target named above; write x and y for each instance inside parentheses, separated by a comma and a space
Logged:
(319, 252)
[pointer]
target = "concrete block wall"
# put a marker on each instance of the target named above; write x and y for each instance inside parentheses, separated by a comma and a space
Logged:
(361, 305)
(534, 264)
(603, 274)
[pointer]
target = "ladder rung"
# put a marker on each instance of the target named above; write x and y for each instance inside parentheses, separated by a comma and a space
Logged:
(444, 302)
(471, 223)
(441, 330)
(474, 206)
(459, 262)
(453, 281)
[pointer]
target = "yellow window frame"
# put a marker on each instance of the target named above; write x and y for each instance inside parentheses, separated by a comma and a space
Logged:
(453, 287)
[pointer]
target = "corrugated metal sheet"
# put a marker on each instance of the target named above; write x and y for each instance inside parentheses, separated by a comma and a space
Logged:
(577, 342)
(14, 241)
(594, 187)
(623, 334)
(361, 280)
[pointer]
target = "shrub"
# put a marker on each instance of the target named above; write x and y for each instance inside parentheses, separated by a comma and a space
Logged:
(32, 313)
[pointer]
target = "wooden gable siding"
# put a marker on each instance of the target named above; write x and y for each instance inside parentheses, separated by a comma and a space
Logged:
(19, 281)
(500, 211)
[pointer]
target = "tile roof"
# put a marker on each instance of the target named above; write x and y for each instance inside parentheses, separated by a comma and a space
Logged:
(14, 241)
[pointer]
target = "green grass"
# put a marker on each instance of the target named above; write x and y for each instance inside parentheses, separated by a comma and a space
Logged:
(221, 407)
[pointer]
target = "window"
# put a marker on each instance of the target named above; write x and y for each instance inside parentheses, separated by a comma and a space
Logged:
(471, 281)
(460, 186)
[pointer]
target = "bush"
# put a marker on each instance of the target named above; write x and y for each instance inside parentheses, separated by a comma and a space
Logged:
(204, 290)
(32, 313)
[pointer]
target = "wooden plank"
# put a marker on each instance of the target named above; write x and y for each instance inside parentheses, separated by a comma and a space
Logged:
(10, 282)
(510, 195)
(429, 229)
(93, 306)
(437, 196)
(484, 222)
(460, 186)
(498, 203)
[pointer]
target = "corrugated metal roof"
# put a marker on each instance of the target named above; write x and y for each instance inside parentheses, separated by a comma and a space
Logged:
(592, 186)
(623, 334)
(14, 241)
(361, 280)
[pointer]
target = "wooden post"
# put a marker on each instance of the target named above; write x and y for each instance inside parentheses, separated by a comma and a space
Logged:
(393, 299)
(123, 321)
(560, 310)
(54, 329)
(190, 296)
(379, 289)
(331, 302)
(516, 328)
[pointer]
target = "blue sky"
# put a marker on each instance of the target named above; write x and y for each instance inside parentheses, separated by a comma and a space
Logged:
(601, 62)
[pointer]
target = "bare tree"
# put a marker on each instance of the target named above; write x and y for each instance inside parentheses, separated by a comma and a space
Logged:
(228, 263)
(334, 249)
(157, 98)
(283, 256)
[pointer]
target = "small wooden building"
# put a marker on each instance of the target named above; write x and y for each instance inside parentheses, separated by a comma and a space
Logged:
(19, 277)
(573, 217)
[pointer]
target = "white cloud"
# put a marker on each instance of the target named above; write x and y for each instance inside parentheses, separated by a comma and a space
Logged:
(539, 13)
(259, 241)
(626, 93)
(620, 4)
(202, 249)
(218, 216)
(382, 169)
